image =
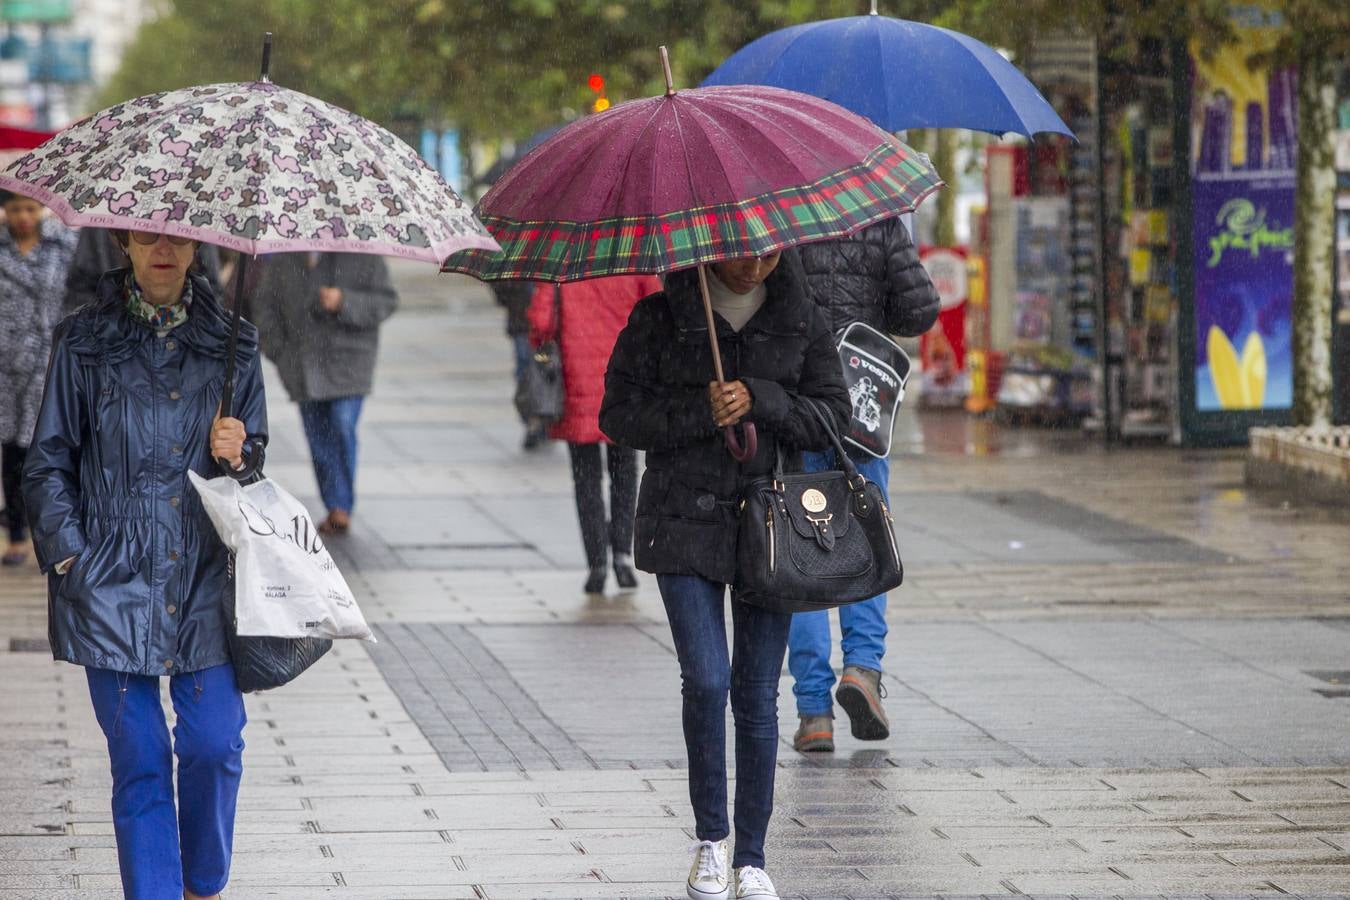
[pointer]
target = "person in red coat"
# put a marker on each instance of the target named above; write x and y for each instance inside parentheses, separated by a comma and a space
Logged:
(593, 313)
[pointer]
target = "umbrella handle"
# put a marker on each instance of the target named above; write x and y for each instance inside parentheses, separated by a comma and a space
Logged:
(741, 452)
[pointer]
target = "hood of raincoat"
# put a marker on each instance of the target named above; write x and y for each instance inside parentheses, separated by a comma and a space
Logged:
(104, 331)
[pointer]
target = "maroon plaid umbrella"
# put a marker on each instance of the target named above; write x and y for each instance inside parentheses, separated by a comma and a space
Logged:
(691, 178)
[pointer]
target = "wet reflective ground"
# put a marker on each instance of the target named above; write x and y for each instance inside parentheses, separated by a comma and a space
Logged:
(1110, 673)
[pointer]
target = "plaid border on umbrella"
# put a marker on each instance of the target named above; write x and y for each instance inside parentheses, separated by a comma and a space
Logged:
(886, 183)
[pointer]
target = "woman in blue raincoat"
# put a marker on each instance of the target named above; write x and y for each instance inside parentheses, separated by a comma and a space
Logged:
(136, 571)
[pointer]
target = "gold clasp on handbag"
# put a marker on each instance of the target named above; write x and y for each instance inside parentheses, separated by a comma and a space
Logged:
(824, 534)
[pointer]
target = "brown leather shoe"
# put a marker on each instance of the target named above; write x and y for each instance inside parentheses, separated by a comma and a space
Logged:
(860, 693)
(815, 734)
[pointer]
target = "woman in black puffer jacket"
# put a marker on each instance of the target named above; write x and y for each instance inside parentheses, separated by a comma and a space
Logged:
(778, 355)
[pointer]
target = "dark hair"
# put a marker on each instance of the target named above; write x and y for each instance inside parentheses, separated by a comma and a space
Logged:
(6, 196)
(121, 235)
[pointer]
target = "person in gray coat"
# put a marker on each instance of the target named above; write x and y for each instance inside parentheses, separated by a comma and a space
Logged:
(318, 318)
(35, 252)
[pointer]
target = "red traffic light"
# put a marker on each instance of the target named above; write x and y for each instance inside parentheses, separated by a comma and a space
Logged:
(596, 83)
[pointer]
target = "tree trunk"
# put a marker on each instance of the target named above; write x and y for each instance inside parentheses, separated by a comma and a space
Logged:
(1314, 216)
(944, 160)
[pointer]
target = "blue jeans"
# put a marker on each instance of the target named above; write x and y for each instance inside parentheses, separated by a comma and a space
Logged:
(330, 426)
(160, 850)
(696, 609)
(863, 624)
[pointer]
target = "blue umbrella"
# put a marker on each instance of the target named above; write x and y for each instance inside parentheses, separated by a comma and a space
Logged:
(897, 73)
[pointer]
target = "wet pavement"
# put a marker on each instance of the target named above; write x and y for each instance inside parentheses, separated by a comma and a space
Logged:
(1110, 673)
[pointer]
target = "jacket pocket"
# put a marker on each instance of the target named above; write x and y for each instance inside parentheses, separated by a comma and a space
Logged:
(87, 569)
(691, 501)
(67, 585)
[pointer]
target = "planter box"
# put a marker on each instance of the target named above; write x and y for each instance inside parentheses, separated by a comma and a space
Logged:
(1312, 463)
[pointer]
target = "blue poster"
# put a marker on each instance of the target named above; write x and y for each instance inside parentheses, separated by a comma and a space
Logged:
(1244, 287)
(1244, 152)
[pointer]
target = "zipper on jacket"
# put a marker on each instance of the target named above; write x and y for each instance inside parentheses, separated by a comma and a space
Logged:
(104, 392)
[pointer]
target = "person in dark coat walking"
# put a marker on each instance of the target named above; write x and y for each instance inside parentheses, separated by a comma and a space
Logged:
(514, 297)
(318, 317)
(34, 255)
(778, 355)
(593, 313)
(136, 573)
(873, 277)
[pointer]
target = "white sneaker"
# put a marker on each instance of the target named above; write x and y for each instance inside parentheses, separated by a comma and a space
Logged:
(709, 876)
(754, 884)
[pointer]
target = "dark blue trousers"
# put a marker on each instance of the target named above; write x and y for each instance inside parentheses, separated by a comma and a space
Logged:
(330, 426)
(696, 608)
(160, 849)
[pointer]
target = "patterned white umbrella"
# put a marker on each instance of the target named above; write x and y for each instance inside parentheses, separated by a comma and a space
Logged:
(251, 166)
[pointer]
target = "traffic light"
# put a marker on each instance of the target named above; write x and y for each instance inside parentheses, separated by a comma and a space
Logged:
(597, 85)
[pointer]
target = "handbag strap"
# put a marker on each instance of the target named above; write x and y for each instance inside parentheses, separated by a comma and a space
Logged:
(842, 458)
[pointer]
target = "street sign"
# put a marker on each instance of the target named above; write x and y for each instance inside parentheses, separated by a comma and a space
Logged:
(36, 10)
(61, 60)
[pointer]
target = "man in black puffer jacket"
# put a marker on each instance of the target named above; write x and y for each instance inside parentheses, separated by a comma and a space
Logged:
(873, 277)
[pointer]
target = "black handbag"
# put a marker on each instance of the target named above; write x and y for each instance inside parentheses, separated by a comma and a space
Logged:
(815, 540)
(263, 663)
(539, 393)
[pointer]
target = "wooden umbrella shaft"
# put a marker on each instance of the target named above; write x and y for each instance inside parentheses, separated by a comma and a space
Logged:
(739, 450)
(712, 323)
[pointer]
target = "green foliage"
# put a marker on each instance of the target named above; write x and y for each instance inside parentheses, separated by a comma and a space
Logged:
(509, 67)
(329, 48)
(496, 69)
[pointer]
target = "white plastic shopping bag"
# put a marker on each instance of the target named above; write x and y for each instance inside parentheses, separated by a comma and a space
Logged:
(286, 583)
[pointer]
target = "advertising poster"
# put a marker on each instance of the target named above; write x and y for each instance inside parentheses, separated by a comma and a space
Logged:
(947, 269)
(1244, 140)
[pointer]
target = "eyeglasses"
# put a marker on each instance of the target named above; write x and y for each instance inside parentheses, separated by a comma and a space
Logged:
(147, 238)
